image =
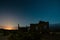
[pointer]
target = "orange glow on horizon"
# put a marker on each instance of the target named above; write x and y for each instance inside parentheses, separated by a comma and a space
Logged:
(9, 28)
(9, 24)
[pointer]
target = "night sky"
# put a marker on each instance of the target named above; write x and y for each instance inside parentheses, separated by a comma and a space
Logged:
(24, 12)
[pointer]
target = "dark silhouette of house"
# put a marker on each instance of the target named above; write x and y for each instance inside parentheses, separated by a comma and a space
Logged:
(23, 29)
(40, 27)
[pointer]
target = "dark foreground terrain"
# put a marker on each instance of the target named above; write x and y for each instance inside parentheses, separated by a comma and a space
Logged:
(29, 36)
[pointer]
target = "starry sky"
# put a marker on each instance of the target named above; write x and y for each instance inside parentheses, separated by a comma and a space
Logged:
(24, 12)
